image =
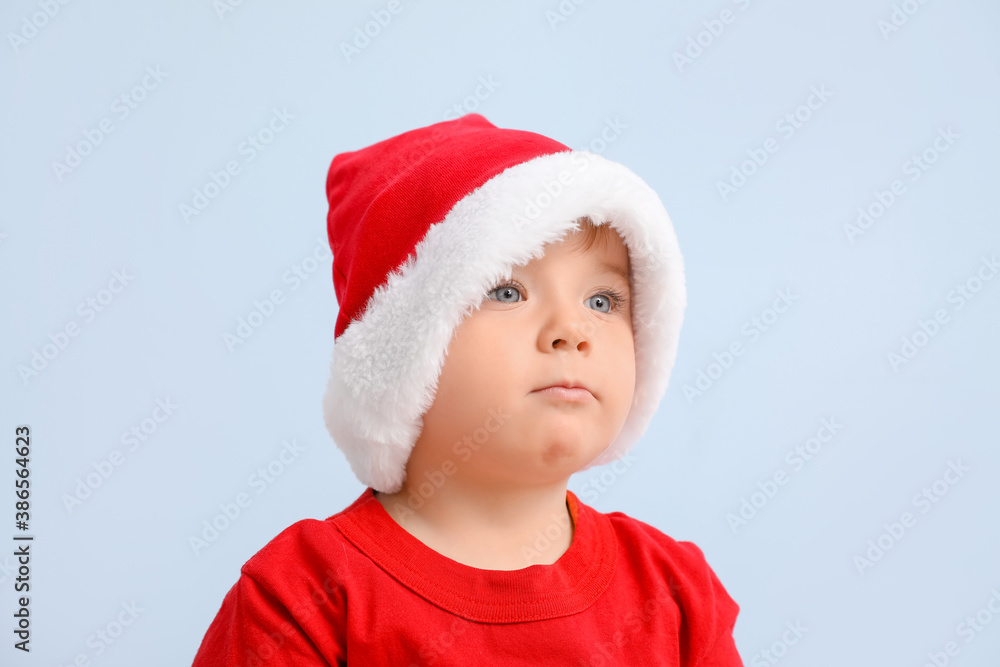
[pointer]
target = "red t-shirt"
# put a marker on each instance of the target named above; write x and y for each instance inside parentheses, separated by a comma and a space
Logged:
(358, 589)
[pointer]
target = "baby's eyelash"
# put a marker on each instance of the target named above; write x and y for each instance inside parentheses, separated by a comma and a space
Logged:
(617, 297)
(510, 283)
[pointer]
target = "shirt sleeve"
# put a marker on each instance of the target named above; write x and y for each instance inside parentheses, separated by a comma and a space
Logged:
(710, 615)
(255, 628)
(723, 654)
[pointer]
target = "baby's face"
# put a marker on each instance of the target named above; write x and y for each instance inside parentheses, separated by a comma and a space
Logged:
(557, 320)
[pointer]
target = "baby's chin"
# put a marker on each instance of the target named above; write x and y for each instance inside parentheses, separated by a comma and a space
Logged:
(561, 452)
(575, 430)
(562, 455)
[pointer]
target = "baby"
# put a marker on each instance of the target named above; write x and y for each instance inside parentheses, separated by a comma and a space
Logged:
(509, 315)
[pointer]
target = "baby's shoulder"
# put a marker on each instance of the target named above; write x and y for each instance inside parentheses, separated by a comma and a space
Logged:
(643, 539)
(308, 546)
(656, 558)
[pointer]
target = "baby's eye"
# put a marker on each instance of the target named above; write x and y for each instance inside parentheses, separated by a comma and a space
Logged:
(506, 291)
(610, 299)
(600, 302)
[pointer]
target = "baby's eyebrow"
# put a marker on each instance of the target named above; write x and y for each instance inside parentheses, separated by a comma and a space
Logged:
(617, 269)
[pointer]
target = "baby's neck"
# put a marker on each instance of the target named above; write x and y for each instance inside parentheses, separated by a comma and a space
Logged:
(507, 533)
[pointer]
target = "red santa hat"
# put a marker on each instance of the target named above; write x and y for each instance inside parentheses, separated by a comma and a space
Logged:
(423, 224)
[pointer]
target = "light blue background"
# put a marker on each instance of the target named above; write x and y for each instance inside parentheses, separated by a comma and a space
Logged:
(826, 357)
